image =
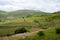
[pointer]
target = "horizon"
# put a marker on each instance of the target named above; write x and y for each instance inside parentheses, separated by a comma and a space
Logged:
(42, 5)
(28, 10)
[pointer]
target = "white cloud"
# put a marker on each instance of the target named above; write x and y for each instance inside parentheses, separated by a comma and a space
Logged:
(44, 5)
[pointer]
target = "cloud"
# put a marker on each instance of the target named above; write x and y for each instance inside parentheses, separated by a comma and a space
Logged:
(43, 5)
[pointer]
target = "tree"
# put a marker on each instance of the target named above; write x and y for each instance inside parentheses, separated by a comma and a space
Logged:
(21, 30)
(36, 21)
(23, 18)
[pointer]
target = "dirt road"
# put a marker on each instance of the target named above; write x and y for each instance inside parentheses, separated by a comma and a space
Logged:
(22, 35)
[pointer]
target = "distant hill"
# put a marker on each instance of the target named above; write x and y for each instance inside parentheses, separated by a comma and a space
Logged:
(24, 12)
(18, 14)
(57, 12)
(2, 11)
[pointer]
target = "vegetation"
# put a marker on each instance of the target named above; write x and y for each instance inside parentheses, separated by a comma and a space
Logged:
(41, 33)
(21, 30)
(49, 35)
(58, 31)
(21, 21)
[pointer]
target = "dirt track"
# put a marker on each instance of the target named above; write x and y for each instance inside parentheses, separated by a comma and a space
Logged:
(22, 35)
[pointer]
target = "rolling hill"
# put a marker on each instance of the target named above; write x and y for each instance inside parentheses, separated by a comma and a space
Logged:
(28, 19)
(18, 14)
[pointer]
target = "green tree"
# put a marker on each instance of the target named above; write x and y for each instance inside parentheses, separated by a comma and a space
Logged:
(21, 30)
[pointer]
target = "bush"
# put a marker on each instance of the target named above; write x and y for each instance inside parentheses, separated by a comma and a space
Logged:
(21, 30)
(41, 33)
(58, 31)
(36, 21)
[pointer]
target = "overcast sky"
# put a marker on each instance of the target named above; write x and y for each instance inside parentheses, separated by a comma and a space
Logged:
(43, 5)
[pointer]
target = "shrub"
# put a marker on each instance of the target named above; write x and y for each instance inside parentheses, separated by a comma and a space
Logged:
(23, 18)
(58, 31)
(36, 21)
(21, 30)
(41, 33)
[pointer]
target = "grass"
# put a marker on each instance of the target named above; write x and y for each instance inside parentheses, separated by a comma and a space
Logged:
(11, 26)
(44, 21)
(50, 34)
(8, 27)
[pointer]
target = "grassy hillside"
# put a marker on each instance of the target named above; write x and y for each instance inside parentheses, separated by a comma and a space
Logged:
(18, 14)
(49, 34)
(29, 19)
